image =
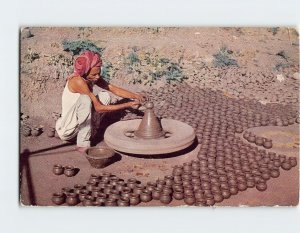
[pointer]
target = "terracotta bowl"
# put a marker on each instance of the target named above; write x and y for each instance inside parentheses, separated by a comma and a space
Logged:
(99, 157)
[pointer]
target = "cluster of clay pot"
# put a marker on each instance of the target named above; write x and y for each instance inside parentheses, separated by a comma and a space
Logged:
(225, 168)
(259, 141)
(104, 190)
(68, 170)
(27, 131)
(241, 82)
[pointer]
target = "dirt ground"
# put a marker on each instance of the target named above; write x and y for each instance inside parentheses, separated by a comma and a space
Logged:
(268, 57)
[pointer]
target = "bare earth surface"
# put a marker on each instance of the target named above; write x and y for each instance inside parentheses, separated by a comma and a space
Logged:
(262, 75)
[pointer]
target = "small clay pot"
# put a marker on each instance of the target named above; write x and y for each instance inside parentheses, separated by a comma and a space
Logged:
(36, 132)
(110, 202)
(165, 198)
(58, 169)
(251, 139)
(134, 199)
(293, 161)
(210, 201)
(123, 201)
(146, 196)
(78, 188)
(286, 166)
(178, 194)
(138, 188)
(82, 194)
(268, 144)
(226, 194)
(67, 190)
(131, 183)
(120, 185)
(261, 186)
(58, 198)
(156, 193)
(233, 190)
(189, 199)
(88, 201)
(259, 141)
(242, 186)
(266, 175)
(218, 198)
(72, 199)
(275, 173)
(69, 171)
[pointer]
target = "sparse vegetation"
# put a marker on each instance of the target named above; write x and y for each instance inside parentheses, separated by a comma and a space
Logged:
(76, 47)
(31, 56)
(223, 58)
(274, 30)
(60, 59)
(151, 68)
(106, 71)
(283, 54)
(281, 66)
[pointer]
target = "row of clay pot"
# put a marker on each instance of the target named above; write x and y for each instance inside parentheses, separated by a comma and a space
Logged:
(68, 170)
(28, 131)
(259, 141)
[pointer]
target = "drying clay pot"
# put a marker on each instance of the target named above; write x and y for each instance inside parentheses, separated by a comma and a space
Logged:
(72, 199)
(123, 201)
(189, 200)
(274, 173)
(69, 171)
(58, 198)
(156, 193)
(286, 166)
(261, 186)
(134, 199)
(165, 198)
(110, 202)
(268, 144)
(58, 169)
(36, 132)
(145, 196)
(178, 194)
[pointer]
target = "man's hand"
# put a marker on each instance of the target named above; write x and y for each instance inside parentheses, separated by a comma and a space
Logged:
(141, 97)
(134, 104)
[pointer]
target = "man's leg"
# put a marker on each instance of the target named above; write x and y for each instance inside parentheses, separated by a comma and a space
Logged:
(83, 113)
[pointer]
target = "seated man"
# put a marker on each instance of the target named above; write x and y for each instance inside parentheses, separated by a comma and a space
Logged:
(78, 98)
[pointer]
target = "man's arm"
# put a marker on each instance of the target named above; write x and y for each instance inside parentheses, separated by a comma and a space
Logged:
(78, 85)
(119, 91)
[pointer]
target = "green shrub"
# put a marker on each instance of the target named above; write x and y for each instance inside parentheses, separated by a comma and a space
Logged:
(223, 58)
(76, 47)
(106, 71)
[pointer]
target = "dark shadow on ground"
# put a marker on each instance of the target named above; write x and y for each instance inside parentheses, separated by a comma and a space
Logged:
(168, 155)
(25, 171)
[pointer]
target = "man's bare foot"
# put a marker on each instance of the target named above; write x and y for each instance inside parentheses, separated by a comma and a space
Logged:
(81, 149)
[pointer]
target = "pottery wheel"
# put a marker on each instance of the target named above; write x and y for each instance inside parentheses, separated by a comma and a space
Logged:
(120, 136)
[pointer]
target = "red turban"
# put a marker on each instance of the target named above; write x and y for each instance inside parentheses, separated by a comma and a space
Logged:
(85, 62)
